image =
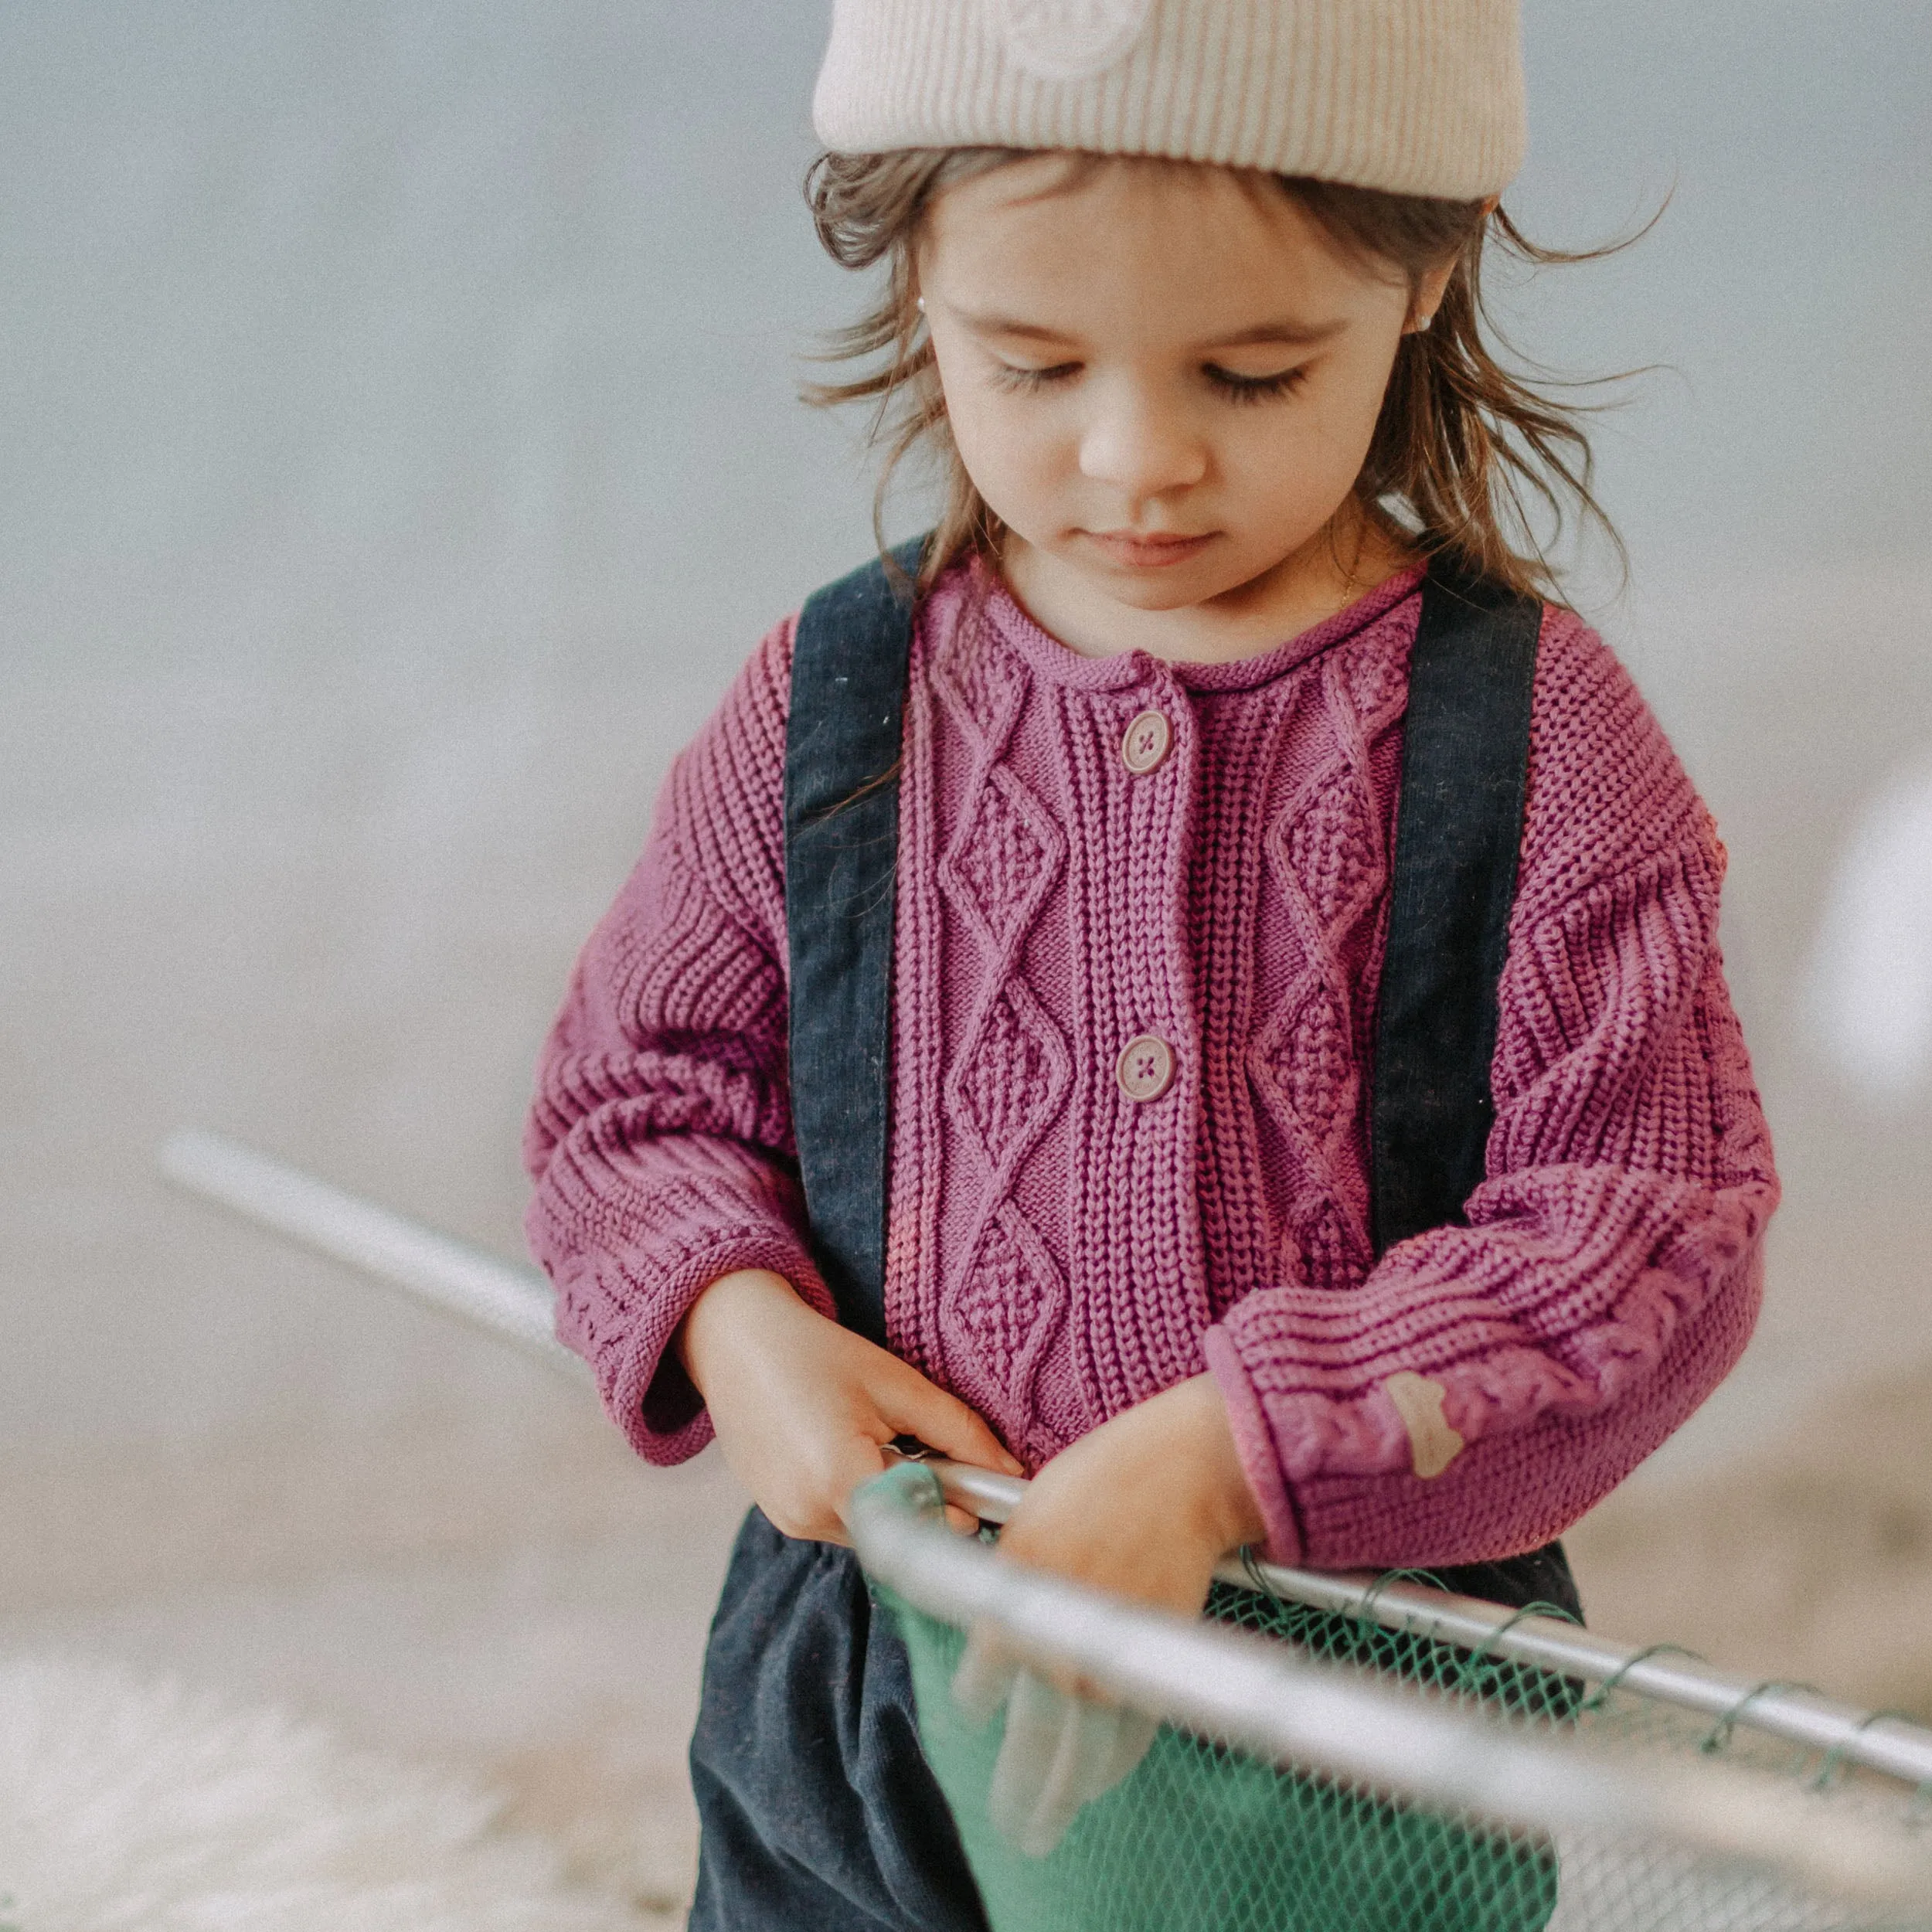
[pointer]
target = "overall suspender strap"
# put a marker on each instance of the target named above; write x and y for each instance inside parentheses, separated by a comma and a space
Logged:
(1458, 829)
(849, 657)
(1459, 824)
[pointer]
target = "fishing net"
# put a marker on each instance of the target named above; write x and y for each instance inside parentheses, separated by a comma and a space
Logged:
(1200, 1837)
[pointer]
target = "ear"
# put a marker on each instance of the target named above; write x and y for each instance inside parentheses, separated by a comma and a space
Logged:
(1430, 289)
(1427, 299)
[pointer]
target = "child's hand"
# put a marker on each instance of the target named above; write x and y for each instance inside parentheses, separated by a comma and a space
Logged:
(1145, 1506)
(803, 1408)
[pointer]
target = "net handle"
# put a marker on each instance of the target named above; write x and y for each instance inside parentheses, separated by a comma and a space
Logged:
(1264, 1698)
(513, 1303)
(1877, 1741)
(516, 1304)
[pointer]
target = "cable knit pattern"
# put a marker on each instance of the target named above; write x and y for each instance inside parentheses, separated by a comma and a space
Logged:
(1058, 1249)
(660, 1134)
(1007, 1075)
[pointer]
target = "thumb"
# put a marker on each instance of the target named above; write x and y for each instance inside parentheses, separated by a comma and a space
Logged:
(916, 1407)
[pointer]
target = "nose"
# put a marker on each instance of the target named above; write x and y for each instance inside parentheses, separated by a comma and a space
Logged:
(1141, 444)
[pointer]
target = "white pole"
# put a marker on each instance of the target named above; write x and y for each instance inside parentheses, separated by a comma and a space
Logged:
(1264, 1698)
(1895, 1746)
(513, 1302)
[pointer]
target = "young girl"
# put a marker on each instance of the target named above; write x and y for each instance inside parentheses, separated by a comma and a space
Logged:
(1195, 1112)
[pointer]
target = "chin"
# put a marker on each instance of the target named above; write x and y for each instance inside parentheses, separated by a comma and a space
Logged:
(1167, 594)
(1171, 590)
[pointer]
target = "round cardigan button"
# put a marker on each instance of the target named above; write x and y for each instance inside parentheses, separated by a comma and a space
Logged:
(1145, 1069)
(1147, 741)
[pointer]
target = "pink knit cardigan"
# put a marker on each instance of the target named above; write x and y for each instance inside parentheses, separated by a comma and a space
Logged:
(1063, 1241)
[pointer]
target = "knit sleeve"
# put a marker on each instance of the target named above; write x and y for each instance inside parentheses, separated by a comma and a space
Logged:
(1487, 1383)
(660, 1141)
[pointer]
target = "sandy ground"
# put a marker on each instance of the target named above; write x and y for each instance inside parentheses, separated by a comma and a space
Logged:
(531, 1606)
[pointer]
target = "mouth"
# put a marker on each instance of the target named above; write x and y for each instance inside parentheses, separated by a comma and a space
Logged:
(1147, 550)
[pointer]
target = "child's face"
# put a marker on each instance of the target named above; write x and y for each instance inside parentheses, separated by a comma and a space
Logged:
(1163, 377)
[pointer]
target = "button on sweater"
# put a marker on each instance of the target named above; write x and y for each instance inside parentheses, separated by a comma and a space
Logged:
(1133, 1010)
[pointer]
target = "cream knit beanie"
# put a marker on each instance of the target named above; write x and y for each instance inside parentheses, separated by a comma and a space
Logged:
(1416, 97)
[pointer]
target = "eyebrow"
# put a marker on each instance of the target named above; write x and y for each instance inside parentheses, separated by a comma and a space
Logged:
(1296, 334)
(1290, 334)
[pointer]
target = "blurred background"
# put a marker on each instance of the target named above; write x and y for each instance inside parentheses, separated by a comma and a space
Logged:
(401, 453)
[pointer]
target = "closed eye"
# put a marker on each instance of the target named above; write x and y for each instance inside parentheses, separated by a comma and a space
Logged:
(1240, 388)
(1255, 388)
(1010, 376)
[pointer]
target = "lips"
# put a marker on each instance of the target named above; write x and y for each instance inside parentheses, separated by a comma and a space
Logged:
(1146, 550)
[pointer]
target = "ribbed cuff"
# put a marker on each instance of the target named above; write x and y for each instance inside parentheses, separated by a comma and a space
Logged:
(1254, 1443)
(644, 1386)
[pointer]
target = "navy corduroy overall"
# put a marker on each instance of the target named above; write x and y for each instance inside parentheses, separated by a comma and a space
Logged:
(819, 1813)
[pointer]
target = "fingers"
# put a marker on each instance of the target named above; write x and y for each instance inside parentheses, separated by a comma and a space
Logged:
(861, 1463)
(920, 1408)
(1060, 1751)
(1059, 1754)
(1036, 1714)
(1134, 1733)
(984, 1677)
(802, 1407)
(1100, 1745)
(808, 1495)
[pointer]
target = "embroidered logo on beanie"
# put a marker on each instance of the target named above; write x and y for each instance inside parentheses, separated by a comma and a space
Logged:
(1070, 40)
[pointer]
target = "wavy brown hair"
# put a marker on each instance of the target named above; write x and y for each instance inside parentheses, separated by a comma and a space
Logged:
(1468, 457)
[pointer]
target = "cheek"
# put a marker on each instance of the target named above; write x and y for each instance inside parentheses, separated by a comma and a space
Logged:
(1298, 465)
(1357, 405)
(1316, 447)
(1004, 442)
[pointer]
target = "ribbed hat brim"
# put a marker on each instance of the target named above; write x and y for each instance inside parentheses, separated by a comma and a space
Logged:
(1416, 97)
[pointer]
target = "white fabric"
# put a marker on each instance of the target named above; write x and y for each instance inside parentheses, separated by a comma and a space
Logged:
(1416, 97)
(131, 1805)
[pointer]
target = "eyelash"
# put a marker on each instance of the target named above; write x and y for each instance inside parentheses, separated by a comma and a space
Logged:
(1007, 377)
(1257, 389)
(1237, 389)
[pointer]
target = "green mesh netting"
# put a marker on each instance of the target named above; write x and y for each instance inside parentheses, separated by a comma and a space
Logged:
(1201, 1838)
